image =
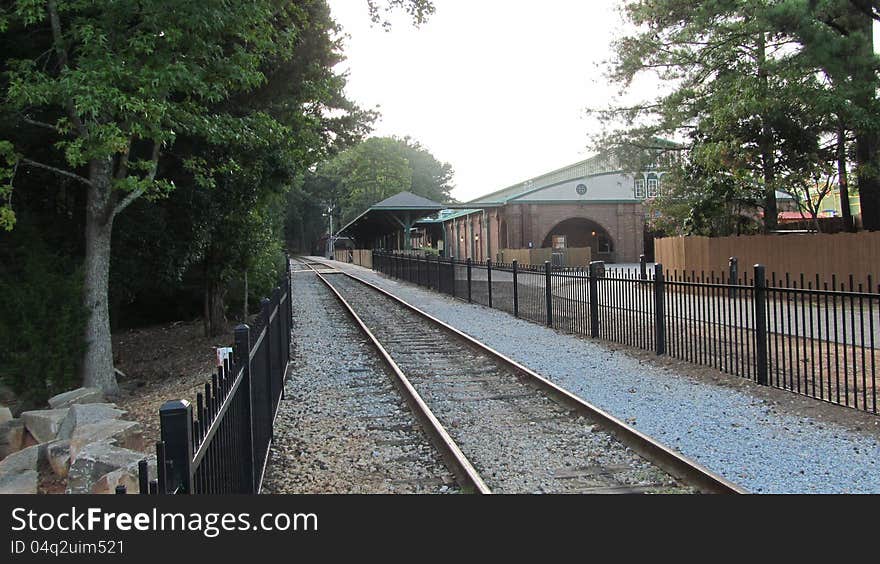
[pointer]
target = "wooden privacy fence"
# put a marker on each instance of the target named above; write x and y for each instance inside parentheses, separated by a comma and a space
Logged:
(815, 255)
(360, 257)
(570, 257)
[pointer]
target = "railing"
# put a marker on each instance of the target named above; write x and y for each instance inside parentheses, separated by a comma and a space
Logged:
(221, 446)
(792, 334)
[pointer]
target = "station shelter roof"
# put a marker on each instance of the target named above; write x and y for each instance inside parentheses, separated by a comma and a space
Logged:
(400, 211)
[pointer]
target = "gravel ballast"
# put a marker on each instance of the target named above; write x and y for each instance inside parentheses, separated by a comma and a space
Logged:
(342, 427)
(518, 439)
(736, 434)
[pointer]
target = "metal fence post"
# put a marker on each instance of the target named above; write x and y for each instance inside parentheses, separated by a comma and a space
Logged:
(659, 309)
(515, 289)
(760, 305)
(597, 268)
(175, 422)
(242, 354)
(489, 279)
(548, 293)
(643, 267)
(438, 273)
(452, 273)
(267, 305)
(469, 277)
(733, 275)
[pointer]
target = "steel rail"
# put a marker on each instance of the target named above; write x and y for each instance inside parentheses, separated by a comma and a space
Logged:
(449, 450)
(676, 464)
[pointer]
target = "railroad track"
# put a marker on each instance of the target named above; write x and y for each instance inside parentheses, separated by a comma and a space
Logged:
(500, 426)
(343, 427)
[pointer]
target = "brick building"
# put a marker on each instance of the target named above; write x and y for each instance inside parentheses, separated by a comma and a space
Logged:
(591, 203)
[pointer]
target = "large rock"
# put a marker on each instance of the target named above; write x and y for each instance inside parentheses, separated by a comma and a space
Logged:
(21, 461)
(99, 467)
(11, 437)
(58, 456)
(85, 414)
(21, 483)
(5, 414)
(127, 477)
(44, 424)
(124, 434)
(79, 395)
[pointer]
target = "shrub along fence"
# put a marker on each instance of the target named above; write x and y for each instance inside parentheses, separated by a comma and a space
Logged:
(221, 446)
(805, 335)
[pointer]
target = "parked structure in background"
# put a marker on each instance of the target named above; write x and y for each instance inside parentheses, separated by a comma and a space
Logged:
(590, 209)
(589, 204)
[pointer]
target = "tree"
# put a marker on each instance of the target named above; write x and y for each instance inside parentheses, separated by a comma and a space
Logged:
(430, 177)
(125, 78)
(118, 83)
(377, 169)
(740, 100)
(836, 38)
(809, 196)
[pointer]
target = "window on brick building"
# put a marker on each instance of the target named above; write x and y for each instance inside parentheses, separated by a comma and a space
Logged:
(653, 188)
(639, 190)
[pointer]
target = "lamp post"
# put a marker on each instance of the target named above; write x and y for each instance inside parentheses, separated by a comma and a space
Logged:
(329, 214)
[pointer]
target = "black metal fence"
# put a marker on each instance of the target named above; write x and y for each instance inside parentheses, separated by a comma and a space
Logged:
(221, 445)
(799, 335)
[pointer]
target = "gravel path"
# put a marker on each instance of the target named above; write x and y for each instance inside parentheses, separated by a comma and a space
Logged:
(734, 433)
(519, 440)
(342, 427)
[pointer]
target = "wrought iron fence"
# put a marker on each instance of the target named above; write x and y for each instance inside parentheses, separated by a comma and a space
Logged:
(221, 445)
(795, 334)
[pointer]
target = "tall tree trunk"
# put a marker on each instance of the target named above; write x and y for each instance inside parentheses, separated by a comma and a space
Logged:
(843, 180)
(768, 156)
(867, 138)
(215, 299)
(867, 146)
(97, 367)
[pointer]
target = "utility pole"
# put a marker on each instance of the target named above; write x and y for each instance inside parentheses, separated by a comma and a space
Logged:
(329, 214)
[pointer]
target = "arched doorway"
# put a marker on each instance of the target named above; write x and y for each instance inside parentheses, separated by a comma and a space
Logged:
(579, 232)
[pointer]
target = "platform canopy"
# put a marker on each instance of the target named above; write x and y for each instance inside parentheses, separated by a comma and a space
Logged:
(399, 212)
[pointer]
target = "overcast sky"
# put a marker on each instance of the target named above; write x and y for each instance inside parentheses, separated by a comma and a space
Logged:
(497, 88)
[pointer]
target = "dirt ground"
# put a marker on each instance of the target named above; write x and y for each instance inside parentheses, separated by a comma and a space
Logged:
(161, 363)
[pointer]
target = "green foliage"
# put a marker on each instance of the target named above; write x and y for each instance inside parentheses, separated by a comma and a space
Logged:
(697, 203)
(41, 330)
(7, 173)
(755, 91)
(193, 117)
(418, 10)
(376, 169)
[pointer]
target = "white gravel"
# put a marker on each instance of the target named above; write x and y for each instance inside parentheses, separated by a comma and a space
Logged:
(735, 434)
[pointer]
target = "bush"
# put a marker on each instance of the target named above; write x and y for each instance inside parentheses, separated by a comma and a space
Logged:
(42, 319)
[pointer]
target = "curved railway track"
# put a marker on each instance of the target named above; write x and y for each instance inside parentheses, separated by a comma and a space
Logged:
(500, 426)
